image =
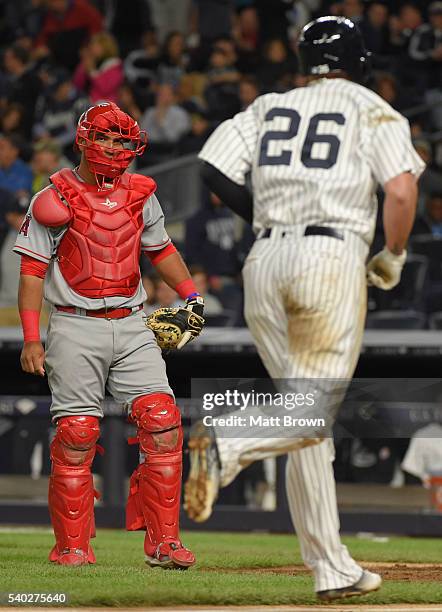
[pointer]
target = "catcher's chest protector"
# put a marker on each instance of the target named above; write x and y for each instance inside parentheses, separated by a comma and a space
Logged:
(99, 253)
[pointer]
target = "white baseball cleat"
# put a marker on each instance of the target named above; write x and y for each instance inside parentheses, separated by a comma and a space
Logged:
(202, 486)
(367, 583)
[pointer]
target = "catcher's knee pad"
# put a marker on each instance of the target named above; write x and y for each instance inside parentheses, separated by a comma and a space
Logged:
(71, 491)
(75, 440)
(155, 485)
(158, 422)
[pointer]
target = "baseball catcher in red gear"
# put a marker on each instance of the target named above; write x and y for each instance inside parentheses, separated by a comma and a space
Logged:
(80, 248)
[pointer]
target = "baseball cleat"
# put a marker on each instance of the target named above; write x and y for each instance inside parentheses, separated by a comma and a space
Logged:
(367, 583)
(202, 486)
(171, 555)
(71, 556)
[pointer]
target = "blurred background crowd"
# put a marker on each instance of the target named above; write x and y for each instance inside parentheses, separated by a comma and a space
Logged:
(180, 67)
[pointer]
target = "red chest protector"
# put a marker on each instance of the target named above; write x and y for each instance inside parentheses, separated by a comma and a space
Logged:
(99, 253)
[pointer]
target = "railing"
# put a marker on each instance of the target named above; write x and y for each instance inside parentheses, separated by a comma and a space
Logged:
(179, 186)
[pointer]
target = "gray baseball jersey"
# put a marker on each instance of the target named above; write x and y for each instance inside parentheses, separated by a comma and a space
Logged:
(41, 243)
(316, 155)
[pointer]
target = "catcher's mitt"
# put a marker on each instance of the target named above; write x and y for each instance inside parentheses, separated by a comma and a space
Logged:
(174, 327)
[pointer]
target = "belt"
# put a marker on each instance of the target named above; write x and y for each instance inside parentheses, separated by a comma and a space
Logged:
(102, 313)
(310, 230)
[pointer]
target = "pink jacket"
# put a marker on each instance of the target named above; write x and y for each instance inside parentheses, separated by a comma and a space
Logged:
(103, 83)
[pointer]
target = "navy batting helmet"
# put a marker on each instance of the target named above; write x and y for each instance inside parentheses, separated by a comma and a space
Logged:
(331, 44)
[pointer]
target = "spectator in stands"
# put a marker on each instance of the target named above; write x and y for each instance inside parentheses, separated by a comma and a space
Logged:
(210, 242)
(46, 160)
(140, 65)
(227, 45)
(200, 130)
(15, 174)
(277, 69)
(375, 30)
(189, 93)
(403, 25)
(165, 297)
(57, 112)
(387, 87)
(354, 10)
(212, 20)
(173, 60)
(248, 91)
(221, 93)
(25, 18)
(430, 222)
(165, 124)
(426, 50)
(100, 72)
(11, 217)
(430, 180)
(246, 31)
(127, 102)
(212, 305)
(11, 213)
(169, 16)
(273, 19)
(23, 85)
(12, 120)
(402, 28)
(128, 26)
(67, 26)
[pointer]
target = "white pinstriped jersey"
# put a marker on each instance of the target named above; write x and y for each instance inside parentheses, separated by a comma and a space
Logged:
(316, 155)
(42, 242)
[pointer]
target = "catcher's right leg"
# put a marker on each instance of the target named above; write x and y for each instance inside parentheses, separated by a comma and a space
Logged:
(71, 491)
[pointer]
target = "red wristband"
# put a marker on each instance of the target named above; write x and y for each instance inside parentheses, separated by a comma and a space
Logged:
(30, 320)
(185, 288)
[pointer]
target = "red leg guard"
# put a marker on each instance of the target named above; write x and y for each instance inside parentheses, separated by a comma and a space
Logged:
(71, 491)
(155, 486)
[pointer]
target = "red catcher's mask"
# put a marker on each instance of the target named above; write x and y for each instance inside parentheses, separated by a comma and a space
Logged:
(107, 163)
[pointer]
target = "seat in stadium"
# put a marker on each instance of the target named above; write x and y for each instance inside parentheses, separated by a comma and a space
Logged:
(395, 319)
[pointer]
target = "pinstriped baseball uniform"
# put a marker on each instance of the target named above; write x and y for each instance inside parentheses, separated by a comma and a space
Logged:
(316, 155)
(85, 354)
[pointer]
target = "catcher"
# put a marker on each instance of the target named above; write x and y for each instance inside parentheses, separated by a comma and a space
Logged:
(80, 246)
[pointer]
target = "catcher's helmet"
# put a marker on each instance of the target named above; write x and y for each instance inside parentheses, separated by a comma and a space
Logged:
(107, 119)
(331, 44)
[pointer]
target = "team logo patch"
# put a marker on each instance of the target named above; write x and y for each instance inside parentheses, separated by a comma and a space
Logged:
(109, 204)
(24, 229)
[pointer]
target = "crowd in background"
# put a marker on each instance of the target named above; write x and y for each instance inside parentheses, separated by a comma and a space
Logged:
(180, 67)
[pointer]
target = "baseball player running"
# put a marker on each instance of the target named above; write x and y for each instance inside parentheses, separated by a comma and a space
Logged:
(80, 245)
(316, 155)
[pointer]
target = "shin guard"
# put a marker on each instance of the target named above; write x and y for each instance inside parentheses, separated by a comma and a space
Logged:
(155, 485)
(71, 491)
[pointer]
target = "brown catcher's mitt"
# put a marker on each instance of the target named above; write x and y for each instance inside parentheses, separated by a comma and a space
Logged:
(174, 327)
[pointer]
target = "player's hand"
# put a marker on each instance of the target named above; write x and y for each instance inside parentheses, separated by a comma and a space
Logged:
(384, 269)
(32, 358)
(196, 305)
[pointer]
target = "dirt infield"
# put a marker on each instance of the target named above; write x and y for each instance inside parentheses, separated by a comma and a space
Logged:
(430, 572)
